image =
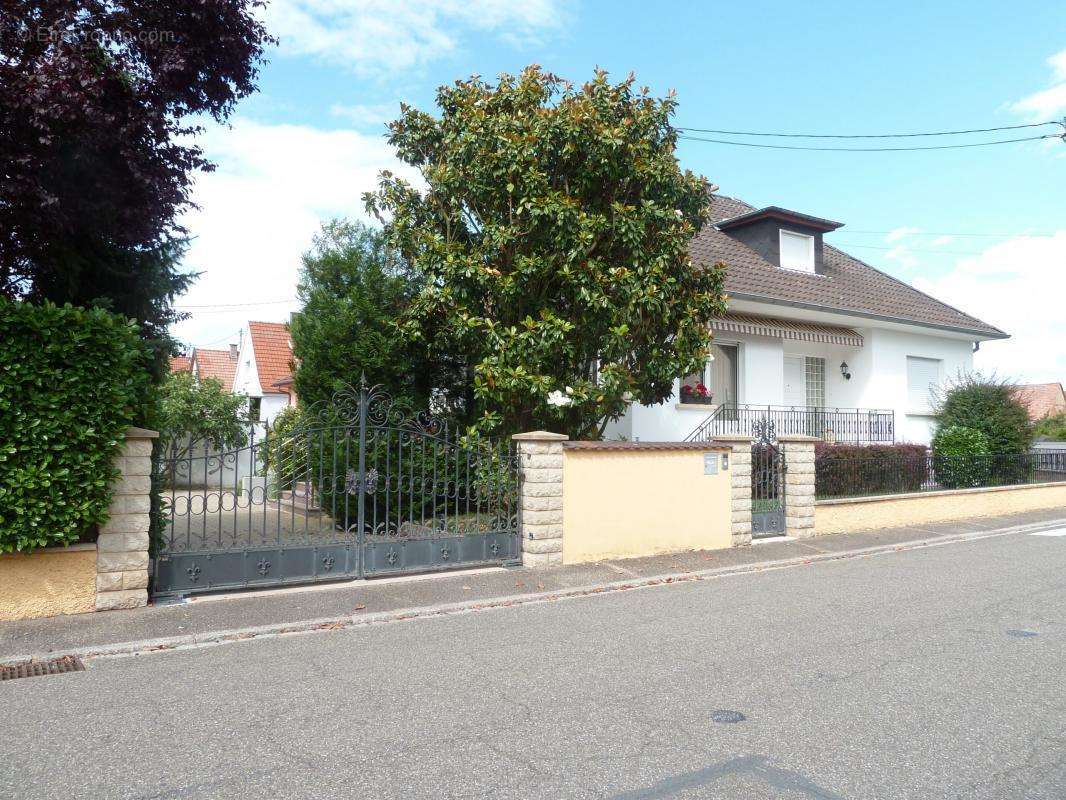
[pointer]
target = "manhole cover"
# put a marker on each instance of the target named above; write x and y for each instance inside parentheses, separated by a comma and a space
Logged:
(727, 717)
(1021, 634)
(33, 669)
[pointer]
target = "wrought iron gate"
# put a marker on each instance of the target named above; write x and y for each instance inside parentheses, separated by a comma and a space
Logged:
(360, 486)
(767, 482)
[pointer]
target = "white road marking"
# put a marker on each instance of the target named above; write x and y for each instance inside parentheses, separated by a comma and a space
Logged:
(1055, 532)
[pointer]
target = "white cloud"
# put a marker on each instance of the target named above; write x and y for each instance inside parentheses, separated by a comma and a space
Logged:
(902, 256)
(940, 241)
(901, 233)
(274, 186)
(362, 115)
(375, 36)
(1048, 102)
(1018, 286)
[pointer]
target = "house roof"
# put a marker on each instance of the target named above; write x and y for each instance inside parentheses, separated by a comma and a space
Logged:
(1042, 399)
(273, 353)
(218, 364)
(845, 284)
(180, 364)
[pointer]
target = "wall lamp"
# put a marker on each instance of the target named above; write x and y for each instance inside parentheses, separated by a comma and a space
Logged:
(844, 370)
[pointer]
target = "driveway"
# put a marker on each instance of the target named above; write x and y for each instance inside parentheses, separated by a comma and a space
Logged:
(930, 673)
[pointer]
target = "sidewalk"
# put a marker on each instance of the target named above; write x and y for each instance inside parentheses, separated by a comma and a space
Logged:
(236, 616)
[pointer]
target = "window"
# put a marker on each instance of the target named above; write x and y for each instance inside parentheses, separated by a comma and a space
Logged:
(814, 371)
(717, 383)
(923, 375)
(255, 407)
(797, 251)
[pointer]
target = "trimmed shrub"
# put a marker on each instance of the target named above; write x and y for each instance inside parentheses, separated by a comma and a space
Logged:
(848, 470)
(989, 405)
(962, 458)
(71, 381)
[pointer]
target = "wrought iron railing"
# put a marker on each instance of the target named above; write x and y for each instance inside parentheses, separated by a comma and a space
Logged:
(838, 476)
(853, 425)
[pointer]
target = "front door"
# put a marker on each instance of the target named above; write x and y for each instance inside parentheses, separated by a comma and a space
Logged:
(795, 390)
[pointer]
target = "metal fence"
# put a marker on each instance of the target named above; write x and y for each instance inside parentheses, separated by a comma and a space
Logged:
(856, 425)
(858, 476)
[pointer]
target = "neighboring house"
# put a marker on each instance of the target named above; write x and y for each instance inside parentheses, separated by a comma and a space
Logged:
(814, 339)
(1042, 399)
(218, 364)
(181, 364)
(264, 369)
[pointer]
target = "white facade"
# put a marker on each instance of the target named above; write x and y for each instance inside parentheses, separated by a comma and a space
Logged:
(246, 382)
(775, 371)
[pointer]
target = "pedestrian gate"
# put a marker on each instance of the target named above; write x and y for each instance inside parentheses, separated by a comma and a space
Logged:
(359, 486)
(767, 482)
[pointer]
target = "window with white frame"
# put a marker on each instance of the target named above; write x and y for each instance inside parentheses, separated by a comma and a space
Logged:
(797, 251)
(923, 376)
(716, 383)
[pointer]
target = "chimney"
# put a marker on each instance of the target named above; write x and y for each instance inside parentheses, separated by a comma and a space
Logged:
(233, 351)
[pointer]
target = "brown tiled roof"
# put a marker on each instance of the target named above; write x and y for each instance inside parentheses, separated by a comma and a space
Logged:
(845, 284)
(218, 364)
(1042, 399)
(180, 364)
(273, 352)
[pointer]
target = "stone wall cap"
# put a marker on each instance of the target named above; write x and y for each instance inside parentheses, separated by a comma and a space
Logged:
(540, 436)
(795, 437)
(706, 447)
(141, 433)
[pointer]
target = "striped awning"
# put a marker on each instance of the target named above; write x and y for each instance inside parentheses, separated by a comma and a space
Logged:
(787, 329)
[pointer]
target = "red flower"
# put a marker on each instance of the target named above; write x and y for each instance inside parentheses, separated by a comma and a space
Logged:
(701, 390)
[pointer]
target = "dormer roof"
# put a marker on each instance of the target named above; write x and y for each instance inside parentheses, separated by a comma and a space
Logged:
(781, 214)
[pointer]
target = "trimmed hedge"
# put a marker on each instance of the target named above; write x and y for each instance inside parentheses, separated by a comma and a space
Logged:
(71, 381)
(848, 470)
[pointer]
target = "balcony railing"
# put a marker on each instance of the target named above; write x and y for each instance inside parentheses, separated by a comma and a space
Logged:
(854, 425)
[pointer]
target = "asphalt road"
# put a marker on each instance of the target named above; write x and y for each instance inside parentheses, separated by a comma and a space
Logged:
(925, 674)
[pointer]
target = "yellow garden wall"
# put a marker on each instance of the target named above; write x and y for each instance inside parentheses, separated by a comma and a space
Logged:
(629, 499)
(48, 582)
(841, 516)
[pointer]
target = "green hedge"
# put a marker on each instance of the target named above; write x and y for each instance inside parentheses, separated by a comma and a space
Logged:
(71, 381)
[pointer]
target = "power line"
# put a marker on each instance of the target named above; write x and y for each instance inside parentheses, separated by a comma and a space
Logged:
(871, 135)
(1030, 234)
(237, 305)
(870, 149)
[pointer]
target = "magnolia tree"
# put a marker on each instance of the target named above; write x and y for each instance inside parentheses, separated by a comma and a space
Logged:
(552, 236)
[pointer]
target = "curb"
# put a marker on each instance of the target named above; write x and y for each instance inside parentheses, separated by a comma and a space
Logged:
(213, 638)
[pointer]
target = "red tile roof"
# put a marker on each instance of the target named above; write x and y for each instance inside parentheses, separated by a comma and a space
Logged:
(218, 364)
(272, 346)
(1042, 399)
(180, 364)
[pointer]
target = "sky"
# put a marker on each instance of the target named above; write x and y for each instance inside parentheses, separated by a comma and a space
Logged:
(983, 229)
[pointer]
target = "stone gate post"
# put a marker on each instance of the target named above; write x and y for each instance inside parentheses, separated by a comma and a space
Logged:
(799, 485)
(740, 469)
(540, 497)
(122, 546)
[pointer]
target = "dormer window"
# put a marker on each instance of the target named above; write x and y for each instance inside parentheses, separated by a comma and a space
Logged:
(797, 251)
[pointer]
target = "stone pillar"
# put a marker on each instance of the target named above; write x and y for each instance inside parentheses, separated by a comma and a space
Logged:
(799, 485)
(540, 497)
(122, 547)
(740, 476)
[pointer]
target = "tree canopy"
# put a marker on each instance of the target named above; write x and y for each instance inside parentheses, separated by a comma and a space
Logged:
(201, 412)
(552, 243)
(353, 292)
(97, 100)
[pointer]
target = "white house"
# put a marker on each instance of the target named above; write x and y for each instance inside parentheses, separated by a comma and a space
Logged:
(264, 369)
(814, 339)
